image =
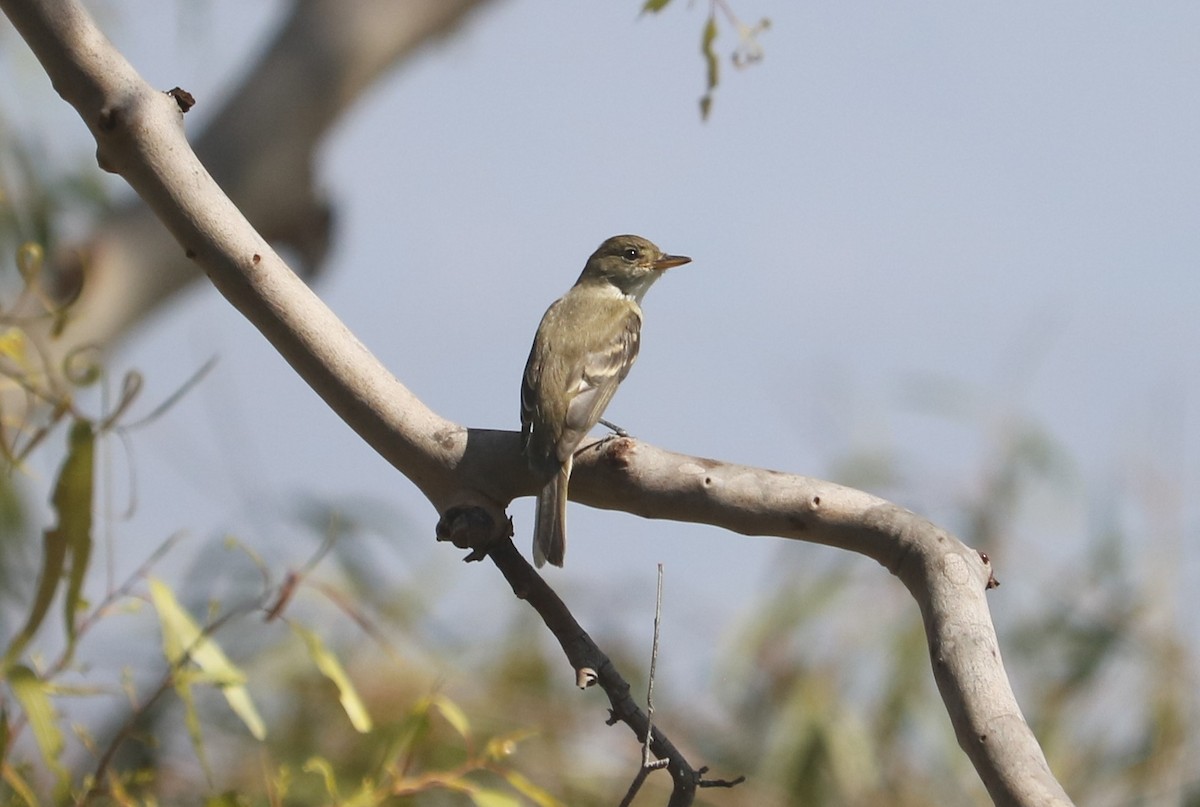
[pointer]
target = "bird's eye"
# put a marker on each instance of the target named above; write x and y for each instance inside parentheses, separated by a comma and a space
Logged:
(630, 253)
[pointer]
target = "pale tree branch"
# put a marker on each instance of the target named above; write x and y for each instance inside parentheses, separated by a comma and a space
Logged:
(261, 147)
(471, 475)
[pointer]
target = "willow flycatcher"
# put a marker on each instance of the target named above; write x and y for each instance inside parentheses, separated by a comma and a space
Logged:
(584, 347)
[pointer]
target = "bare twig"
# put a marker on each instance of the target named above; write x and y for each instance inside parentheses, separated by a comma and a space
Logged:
(636, 785)
(584, 655)
(646, 761)
(649, 765)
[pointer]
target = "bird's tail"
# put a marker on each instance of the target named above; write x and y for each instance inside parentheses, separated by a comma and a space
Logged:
(550, 527)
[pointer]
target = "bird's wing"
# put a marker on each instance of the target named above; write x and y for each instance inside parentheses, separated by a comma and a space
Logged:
(533, 370)
(542, 411)
(602, 372)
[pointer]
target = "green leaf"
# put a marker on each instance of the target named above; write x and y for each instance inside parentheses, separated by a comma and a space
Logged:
(366, 796)
(485, 797)
(238, 698)
(54, 553)
(707, 40)
(530, 790)
(31, 692)
(19, 786)
(72, 502)
(183, 640)
(280, 783)
(332, 669)
(322, 768)
(183, 680)
(654, 6)
(413, 728)
(14, 346)
(455, 716)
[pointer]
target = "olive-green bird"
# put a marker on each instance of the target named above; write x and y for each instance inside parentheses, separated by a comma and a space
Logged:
(584, 347)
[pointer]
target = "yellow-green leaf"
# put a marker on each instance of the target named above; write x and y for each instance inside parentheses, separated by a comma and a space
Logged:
(14, 345)
(365, 796)
(238, 698)
(183, 680)
(72, 500)
(654, 6)
(707, 40)
(322, 768)
(485, 797)
(455, 716)
(530, 790)
(18, 785)
(279, 784)
(30, 691)
(117, 790)
(183, 640)
(30, 257)
(332, 669)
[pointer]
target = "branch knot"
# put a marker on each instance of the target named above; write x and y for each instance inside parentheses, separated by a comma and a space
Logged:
(472, 526)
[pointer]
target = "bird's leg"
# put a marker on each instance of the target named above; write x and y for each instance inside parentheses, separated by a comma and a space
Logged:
(614, 428)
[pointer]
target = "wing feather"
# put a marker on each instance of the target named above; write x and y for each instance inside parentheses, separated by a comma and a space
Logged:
(602, 372)
(566, 387)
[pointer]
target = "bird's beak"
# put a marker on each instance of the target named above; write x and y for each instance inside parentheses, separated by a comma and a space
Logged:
(667, 261)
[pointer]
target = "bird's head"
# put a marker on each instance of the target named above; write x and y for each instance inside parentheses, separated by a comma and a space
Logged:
(629, 262)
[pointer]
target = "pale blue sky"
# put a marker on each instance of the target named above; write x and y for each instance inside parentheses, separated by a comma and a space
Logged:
(1003, 196)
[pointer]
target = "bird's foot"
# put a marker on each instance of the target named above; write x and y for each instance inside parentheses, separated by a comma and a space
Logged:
(614, 428)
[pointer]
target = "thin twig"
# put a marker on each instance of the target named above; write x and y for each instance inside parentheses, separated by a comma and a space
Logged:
(187, 386)
(635, 786)
(649, 765)
(646, 761)
(593, 666)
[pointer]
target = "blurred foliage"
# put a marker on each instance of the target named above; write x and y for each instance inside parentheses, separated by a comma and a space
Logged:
(209, 645)
(39, 202)
(749, 49)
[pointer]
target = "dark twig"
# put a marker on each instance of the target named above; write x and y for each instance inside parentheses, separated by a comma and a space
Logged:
(593, 666)
(636, 785)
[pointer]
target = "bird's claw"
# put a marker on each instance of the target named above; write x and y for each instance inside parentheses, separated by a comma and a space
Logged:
(614, 428)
